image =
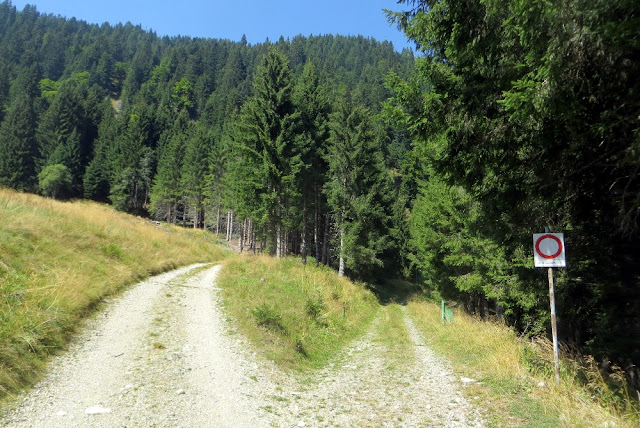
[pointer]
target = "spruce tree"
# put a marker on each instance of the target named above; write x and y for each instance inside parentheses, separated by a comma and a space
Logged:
(193, 175)
(166, 192)
(18, 146)
(266, 140)
(358, 190)
(311, 101)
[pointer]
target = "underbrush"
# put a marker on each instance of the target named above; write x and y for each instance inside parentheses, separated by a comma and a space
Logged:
(58, 260)
(299, 315)
(515, 377)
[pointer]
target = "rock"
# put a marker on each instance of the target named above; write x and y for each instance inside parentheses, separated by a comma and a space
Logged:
(96, 410)
(61, 413)
(301, 424)
(541, 384)
(467, 380)
(180, 392)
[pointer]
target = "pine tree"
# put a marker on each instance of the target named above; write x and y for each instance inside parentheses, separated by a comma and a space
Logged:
(193, 175)
(312, 102)
(267, 142)
(99, 172)
(167, 192)
(133, 167)
(358, 190)
(18, 146)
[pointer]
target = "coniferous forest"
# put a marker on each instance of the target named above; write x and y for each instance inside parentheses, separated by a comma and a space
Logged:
(515, 116)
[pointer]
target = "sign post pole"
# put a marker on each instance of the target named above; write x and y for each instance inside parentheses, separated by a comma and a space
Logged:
(554, 325)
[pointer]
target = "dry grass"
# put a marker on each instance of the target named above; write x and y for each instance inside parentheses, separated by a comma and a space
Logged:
(59, 259)
(299, 315)
(517, 386)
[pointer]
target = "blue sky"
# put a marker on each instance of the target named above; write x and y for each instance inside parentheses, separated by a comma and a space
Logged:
(228, 19)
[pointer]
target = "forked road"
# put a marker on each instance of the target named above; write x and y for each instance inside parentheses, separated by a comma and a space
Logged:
(163, 355)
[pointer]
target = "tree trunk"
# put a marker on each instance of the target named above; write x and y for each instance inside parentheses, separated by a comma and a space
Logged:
(303, 236)
(227, 228)
(278, 241)
(316, 232)
(499, 311)
(217, 220)
(341, 265)
(484, 308)
(325, 242)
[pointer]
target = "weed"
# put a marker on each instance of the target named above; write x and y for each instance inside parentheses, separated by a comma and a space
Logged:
(113, 251)
(300, 348)
(267, 316)
(315, 309)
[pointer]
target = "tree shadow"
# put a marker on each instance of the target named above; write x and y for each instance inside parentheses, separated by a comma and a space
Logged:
(397, 291)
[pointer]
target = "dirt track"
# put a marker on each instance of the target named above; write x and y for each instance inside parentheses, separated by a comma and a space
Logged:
(163, 355)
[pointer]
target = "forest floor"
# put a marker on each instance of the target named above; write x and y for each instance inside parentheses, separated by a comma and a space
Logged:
(164, 355)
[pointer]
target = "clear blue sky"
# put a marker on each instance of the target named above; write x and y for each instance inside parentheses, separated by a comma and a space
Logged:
(230, 19)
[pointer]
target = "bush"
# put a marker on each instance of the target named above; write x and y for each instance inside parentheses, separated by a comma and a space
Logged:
(54, 180)
(268, 317)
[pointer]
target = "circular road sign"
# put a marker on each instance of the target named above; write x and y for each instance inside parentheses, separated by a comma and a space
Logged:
(546, 244)
(549, 250)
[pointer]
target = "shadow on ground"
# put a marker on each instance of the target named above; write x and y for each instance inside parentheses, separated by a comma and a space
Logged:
(398, 291)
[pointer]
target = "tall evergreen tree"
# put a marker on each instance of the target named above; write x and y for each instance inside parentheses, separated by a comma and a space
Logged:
(167, 192)
(18, 146)
(133, 167)
(268, 142)
(358, 190)
(311, 100)
(193, 175)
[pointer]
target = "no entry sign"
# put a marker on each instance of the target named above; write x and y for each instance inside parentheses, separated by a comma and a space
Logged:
(548, 250)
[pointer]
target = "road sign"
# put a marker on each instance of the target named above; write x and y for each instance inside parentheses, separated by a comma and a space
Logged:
(549, 250)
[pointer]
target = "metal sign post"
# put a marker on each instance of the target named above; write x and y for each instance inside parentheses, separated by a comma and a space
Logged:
(549, 252)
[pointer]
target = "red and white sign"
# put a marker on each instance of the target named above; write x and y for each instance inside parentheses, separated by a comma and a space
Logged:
(548, 250)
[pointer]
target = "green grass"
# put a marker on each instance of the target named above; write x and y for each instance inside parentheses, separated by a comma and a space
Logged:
(392, 335)
(512, 387)
(299, 315)
(59, 260)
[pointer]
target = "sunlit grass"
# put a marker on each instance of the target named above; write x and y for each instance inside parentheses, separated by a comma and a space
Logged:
(59, 259)
(299, 315)
(513, 388)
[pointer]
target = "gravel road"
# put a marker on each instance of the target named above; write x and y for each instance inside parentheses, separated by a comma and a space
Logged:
(163, 355)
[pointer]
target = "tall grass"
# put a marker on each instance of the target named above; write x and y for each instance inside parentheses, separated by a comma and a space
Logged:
(59, 259)
(299, 315)
(516, 378)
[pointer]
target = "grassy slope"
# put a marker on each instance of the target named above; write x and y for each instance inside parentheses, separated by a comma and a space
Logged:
(58, 260)
(300, 316)
(517, 384)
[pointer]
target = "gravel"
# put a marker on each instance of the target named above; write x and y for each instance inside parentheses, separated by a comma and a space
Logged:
(164, 355)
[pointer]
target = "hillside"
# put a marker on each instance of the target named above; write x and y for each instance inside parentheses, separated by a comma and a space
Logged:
(58, 261)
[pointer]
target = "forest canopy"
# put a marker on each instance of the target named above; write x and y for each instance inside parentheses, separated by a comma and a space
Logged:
(525, 115)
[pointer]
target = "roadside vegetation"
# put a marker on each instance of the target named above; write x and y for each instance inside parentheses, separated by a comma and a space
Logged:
(299, 316)
(59, 260)
(515, 377)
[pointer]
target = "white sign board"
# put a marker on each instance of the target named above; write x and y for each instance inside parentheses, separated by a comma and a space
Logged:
(548, 250)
